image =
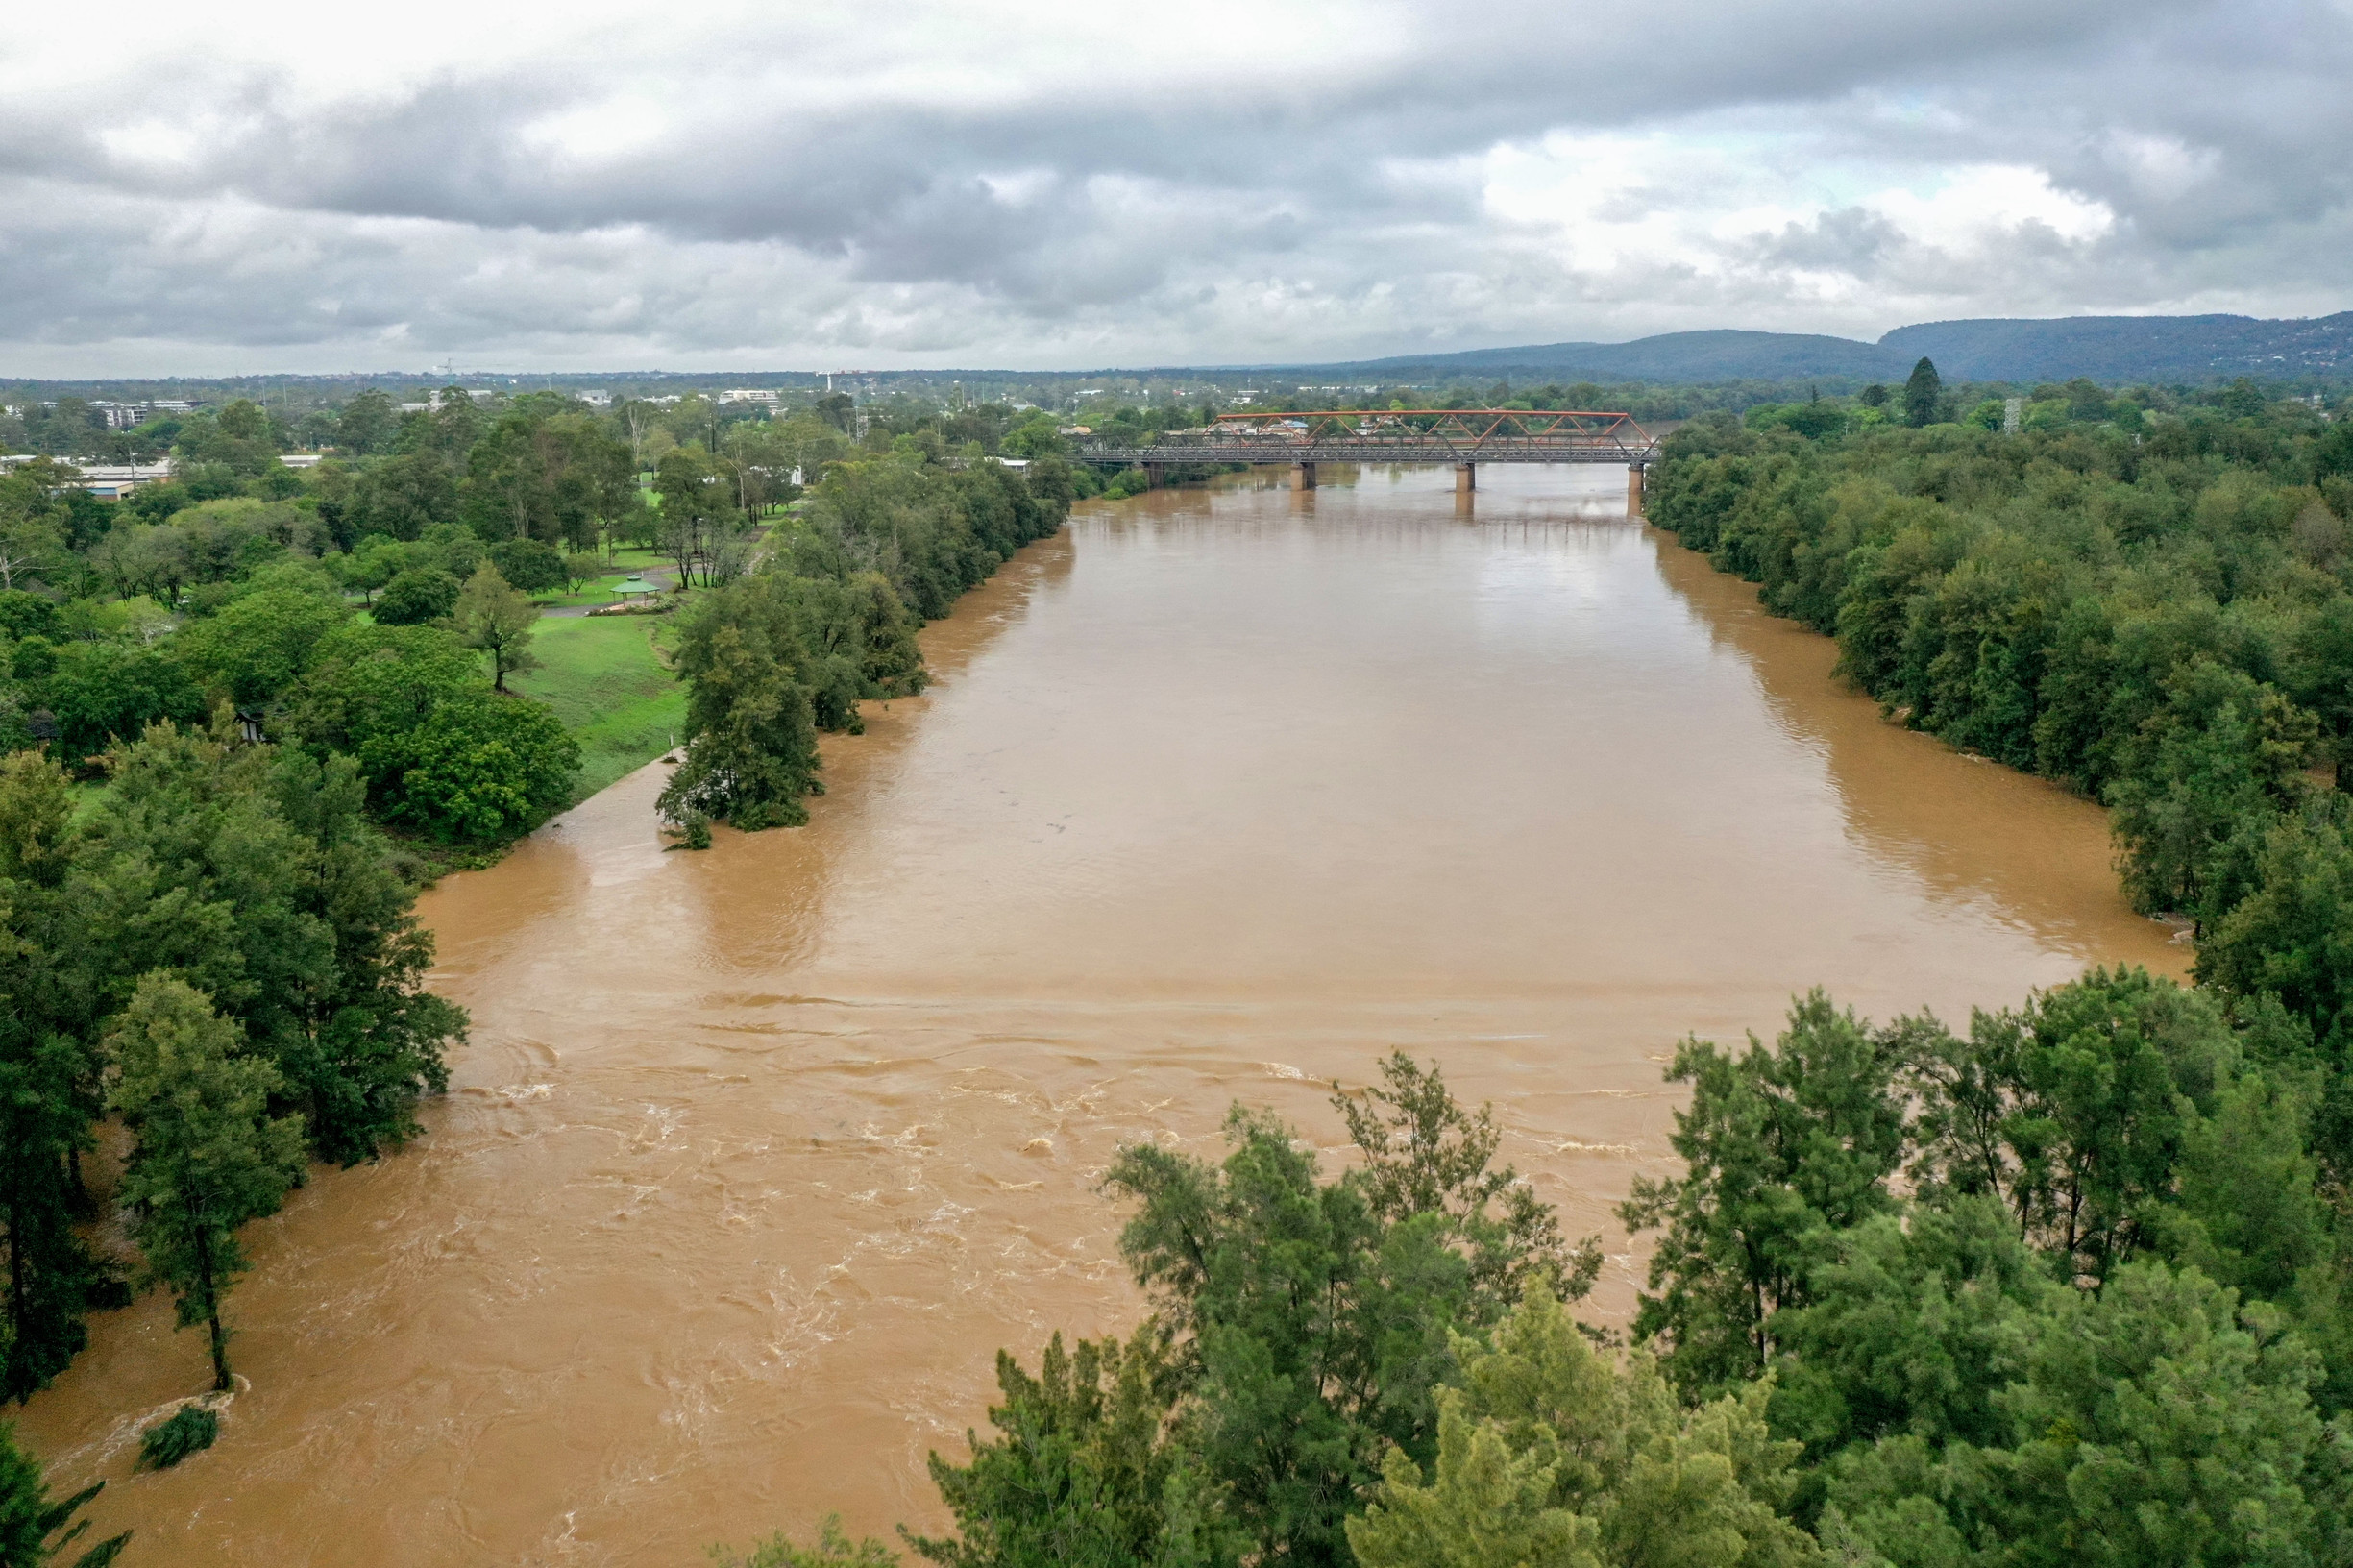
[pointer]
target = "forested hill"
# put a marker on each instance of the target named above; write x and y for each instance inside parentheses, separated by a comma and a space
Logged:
(2165, 350)
(1721, 356)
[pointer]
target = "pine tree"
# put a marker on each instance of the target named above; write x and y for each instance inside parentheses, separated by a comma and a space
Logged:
(209, 1155)
(31, 1524)
(1921, 392)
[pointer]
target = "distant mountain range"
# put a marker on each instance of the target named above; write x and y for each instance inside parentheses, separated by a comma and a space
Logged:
(2159, 348)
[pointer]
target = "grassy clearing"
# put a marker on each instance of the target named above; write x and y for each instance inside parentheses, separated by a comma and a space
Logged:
(605, 681)
(621, 564)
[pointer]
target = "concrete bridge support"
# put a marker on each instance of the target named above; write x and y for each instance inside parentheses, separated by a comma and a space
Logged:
(1634, 489)
(1155, 475)
(1302, 476)
(1466, 479)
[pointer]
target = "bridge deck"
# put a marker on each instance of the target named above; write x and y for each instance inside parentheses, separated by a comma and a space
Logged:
(1400, 435)
(1373, 452)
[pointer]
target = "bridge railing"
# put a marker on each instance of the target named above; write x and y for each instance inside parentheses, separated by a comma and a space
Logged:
(1457, 435)
(1353, 451)
(1456, 428)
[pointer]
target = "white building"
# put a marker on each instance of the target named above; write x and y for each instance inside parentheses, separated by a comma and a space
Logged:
(112, 481)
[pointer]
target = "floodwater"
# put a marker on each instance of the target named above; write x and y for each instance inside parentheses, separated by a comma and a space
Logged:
(757, 1156)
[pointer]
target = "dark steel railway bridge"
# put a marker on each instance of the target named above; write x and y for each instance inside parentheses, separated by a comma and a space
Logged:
(1463, 438)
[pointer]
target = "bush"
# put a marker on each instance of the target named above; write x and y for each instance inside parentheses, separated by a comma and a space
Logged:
(481, 769)
(102, 692)
(27, 614)
(189, 1430)
(417, 596)
(530, 565)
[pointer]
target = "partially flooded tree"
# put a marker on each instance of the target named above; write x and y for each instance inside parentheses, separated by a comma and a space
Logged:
(209, 1155)
(1424, 1153)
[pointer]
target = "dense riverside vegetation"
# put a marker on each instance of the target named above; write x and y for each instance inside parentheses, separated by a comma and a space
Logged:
(247, 710)
(223, 936)
(2074, 1285)
(829, 621)
(2153, 606)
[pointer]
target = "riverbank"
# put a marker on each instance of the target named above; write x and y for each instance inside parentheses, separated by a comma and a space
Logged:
(609, 680)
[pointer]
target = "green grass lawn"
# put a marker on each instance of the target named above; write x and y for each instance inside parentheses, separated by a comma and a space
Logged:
(601, 676)
(622, 564)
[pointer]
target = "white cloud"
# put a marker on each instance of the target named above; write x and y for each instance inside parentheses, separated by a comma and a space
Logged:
(268, 186)
(1976, 211)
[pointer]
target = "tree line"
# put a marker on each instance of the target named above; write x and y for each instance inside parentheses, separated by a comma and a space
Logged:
(222, 782)
(829, 621)
(2152, 605)
(246, 711)
(222, 951)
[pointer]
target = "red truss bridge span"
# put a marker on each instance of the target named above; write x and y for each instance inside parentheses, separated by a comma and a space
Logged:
(1463, 437)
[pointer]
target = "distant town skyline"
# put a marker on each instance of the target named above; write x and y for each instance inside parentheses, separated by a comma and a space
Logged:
(290, 189)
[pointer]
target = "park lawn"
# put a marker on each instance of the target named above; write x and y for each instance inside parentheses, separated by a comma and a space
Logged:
(624, 563)
(603, 679)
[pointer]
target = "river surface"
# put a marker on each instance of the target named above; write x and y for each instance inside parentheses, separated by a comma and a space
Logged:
(757, 1156)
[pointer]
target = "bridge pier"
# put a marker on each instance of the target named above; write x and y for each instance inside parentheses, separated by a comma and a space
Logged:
(1466, 479)
(1634, 489)
(1155, 475)
(1302, 476)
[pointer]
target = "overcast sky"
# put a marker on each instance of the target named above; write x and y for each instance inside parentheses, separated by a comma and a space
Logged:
(191, 188)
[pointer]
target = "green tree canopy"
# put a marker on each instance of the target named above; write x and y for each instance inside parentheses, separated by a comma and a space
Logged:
(36, 1528)
(1921, 391)
(208, 1156)
(417, 596)
(491, 616)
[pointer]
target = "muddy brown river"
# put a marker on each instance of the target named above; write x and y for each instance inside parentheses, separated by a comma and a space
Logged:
(758, 1155)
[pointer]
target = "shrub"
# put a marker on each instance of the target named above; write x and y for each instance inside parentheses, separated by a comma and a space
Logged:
(189, 1430)
(416, 597)
(481, 769)
(532, 566)
(27, 614)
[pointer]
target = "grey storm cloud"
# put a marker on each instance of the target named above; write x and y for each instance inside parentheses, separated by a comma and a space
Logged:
(1224, 182)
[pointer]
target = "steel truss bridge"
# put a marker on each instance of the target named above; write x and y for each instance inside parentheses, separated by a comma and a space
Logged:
(1464, 437)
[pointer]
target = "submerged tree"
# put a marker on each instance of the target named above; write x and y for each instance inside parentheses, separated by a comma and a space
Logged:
(209, 1155)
